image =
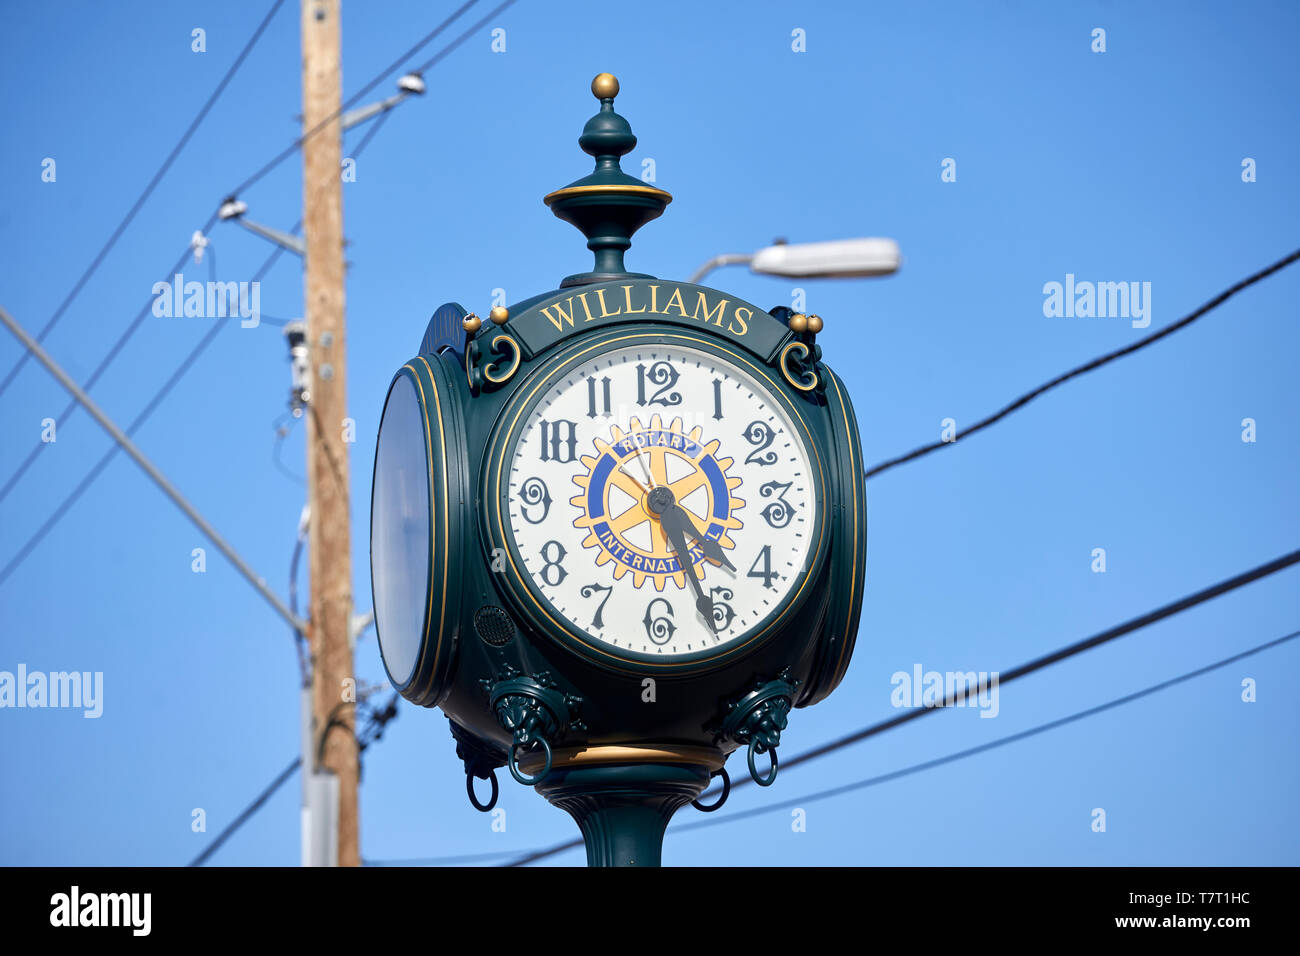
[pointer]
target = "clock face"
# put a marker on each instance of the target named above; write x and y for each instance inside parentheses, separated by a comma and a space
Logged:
(661, 500)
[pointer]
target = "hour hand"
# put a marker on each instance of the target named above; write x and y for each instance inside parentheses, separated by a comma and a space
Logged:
(712, 550)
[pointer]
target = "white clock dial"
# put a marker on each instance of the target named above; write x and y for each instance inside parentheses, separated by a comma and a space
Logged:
(661, 500)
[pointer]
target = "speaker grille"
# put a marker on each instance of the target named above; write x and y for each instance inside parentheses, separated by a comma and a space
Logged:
(493, 625)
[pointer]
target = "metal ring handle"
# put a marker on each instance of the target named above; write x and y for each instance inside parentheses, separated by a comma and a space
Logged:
(473, 797)
(518, 775)
(726, 792)
(753, 771)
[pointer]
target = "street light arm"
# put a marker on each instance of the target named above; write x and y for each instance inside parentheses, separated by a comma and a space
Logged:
(717, 262)
(282, 239)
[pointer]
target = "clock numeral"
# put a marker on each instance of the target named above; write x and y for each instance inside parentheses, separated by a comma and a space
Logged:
(559, 440)
(760, 435)
(589, 591)
(779, 512)
(553, 566)
(659, 627)
(661, 373)
(534, 493)
(723, 613)
(717, 399)
(766, 574)
(591, 397)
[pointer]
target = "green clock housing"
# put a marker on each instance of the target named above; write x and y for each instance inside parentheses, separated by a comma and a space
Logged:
(619, 531)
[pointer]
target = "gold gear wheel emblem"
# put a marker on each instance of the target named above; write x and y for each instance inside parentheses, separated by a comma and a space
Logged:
(617, 482)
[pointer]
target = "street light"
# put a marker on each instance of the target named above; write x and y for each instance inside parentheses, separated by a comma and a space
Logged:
(411, 84)
(837, 259)
(232, 208)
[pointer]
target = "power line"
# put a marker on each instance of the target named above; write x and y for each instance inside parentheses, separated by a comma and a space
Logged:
(1128, 627)
(148, 191)
(444, 860)
(352, 100)
(1006, 677)
(177, 374)
(247, 812)
(454, 44)
(885, 777)
(122, 441)
(356, 151)
(1088, 367)
(101, 368)
(991, 745)
(279, 158)
(373, 732)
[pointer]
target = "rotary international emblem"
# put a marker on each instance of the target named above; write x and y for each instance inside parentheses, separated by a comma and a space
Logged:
(620, 487)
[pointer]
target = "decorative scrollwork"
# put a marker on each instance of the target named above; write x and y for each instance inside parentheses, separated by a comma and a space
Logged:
(506, 349)
(500, 362)
(797, 369)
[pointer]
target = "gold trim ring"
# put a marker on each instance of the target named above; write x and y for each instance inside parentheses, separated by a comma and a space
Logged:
(582, 190)
(625, 753)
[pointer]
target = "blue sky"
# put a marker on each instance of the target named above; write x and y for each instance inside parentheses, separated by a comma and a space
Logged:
(1116, 166)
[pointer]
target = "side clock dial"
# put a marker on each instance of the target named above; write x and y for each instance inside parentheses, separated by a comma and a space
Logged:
(661, 500)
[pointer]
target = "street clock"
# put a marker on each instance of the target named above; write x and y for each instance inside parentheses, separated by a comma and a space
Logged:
(617, 531)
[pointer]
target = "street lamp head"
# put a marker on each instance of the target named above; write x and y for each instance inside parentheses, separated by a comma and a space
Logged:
(411, 83)
(231, 208)
(839, 259)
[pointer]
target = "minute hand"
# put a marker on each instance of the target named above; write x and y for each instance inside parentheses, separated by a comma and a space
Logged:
(672, 520)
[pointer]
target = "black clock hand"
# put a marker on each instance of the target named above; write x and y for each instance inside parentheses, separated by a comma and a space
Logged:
(671, 520)
(712, 550)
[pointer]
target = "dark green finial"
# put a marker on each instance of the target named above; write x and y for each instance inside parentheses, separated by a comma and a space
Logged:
(608, 205)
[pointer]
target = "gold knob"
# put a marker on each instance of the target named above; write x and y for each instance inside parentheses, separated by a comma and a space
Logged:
(814, 324)
(799, 322)
(472, 323)
(499, 315)
(604, 86)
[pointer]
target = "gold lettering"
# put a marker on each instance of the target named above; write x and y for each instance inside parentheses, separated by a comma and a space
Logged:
(676, 297)
(703, 303)
(559, 327)
(627, 296)
(604, 309)
(582, 296)
(744, 326)
(654, 298)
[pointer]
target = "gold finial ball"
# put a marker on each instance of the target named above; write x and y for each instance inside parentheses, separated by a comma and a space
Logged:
(499, 315)
(604, 86)
(814, 324)
(472, 323)
(799, 322)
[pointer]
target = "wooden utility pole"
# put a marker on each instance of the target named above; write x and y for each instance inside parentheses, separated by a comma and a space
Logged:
(330, 547)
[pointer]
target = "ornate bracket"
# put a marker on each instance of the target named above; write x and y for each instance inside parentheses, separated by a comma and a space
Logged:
(481, 760)
(797, 369)
(535, 713)
(486, 369)
(799, 358)
(756, 720)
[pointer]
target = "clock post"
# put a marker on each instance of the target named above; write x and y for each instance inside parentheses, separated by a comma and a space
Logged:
(618, 532)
